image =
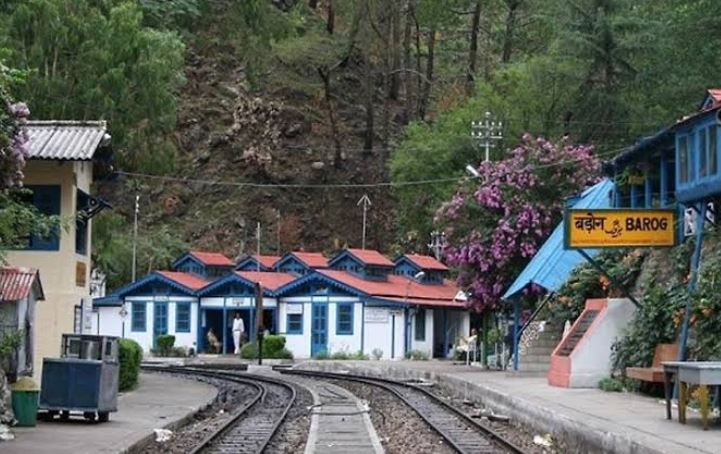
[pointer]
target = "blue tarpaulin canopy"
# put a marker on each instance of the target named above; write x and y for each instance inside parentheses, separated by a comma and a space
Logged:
(552, 264)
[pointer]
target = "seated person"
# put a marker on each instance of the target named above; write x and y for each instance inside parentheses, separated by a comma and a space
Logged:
(213, 342)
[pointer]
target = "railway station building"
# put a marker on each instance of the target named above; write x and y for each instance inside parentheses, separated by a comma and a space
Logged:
(357, 301)
(64, 156)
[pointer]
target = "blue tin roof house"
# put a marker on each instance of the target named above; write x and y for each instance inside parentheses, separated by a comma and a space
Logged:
(679, 165)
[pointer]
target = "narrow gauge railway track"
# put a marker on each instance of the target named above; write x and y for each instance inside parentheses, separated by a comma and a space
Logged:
(250, 428)
(462, 432)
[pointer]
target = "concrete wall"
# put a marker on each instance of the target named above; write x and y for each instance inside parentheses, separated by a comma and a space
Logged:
(381, 335)
(111, 323)
(591, 359)
(58, 268)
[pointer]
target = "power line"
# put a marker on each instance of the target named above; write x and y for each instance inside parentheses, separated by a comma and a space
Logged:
(382, 184)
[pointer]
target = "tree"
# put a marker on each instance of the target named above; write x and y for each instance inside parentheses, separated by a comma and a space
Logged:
(87, 59)
(495, 224)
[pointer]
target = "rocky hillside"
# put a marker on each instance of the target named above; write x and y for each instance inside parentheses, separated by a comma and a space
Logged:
(228, 133)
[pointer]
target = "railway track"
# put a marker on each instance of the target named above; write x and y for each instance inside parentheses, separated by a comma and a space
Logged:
(250, 428)
(462, 432)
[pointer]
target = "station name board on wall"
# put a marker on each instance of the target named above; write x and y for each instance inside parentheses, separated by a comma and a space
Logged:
(376, 315)
(609, 228)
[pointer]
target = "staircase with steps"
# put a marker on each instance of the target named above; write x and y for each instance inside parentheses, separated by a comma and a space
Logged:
(578, 331)
(583, 357)
(536, 348)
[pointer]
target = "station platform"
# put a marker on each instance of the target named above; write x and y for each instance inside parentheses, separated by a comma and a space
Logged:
(587, 420)
(159, 401)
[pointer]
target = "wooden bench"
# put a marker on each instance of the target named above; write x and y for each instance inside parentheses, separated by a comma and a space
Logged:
(654, 374)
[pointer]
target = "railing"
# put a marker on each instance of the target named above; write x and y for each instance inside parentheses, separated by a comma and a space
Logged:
(517, 340)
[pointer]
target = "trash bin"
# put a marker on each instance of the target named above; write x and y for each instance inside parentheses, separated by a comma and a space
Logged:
(25, 406)
(25, 402)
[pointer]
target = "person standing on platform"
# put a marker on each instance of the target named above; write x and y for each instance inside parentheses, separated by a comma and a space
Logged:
(238, 329)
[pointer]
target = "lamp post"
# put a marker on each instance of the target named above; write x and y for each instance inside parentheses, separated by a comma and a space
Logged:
(123, 313)
(418, 276)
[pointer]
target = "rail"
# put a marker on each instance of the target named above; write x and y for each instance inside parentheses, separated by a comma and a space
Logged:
(446, 427)
(263, 433)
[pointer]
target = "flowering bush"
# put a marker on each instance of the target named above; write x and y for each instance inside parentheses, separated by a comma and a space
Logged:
(13, 139)
(494, 228)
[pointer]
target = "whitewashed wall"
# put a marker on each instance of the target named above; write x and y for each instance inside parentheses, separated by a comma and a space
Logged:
(298, 344)
(380, 335)
(426, 345)
(108, 322)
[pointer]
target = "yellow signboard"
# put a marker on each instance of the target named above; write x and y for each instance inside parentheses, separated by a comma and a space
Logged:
(620, 228)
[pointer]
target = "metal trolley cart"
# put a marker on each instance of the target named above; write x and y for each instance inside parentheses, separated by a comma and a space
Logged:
(84, 379)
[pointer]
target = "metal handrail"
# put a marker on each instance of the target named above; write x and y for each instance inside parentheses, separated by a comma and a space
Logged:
(533, 316)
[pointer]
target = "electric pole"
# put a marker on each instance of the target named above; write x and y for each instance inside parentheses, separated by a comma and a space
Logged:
(257, 245)
(487, 132)
(366, 202)
(135, 234)
(277, 239)
(438, 242)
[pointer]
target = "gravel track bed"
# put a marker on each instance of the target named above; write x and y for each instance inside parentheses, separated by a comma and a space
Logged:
(293, 433)
(230, 397)
(519, 435)
(400, 429)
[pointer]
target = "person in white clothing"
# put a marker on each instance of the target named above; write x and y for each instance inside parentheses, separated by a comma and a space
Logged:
(238, 329)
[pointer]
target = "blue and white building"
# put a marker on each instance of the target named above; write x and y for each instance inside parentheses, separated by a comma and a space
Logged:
(358, 300)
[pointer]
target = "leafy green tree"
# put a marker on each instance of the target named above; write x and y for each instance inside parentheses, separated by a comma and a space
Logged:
(90, 59)
(113, 248)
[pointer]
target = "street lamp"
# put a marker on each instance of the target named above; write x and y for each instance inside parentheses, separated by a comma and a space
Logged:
(417, 277)
(472, 170)
(123, 313)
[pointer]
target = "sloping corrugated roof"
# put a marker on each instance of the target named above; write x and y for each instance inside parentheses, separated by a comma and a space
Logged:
(370, 257)
(426, 262)
(395, 286)
(311, 259)
(187, 280)
(268, 279)
(212, 258)
(65, 140)
(266, 260)
(552, 264)
(16, 283)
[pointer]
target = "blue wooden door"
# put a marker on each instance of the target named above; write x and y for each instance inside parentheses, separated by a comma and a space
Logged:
(319, 329)
(160, 321)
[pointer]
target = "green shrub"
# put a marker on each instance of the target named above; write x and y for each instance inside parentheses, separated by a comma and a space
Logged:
(359, 355)
(273, 344)
(322, 355)
(377, 354)
(130, 355)
(611, 384)
(165, 344)
(417, 355)
(276, 350)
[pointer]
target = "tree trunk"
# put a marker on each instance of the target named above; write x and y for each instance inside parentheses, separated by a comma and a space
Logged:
(473, 48)
(325, 77)
(395, 24)
(513, 6)
(407, 76)
(330, 23)
(369, 91)
(419, 81)
(429, 73)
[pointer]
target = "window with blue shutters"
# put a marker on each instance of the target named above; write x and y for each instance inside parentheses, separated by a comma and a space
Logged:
(420, 328)
(344, 323)
(294, 324)
(81, 223)
(138, 317)
(182, 317)
(46, 198)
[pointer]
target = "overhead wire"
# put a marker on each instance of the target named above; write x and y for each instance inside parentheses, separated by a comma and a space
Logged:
(382, 184)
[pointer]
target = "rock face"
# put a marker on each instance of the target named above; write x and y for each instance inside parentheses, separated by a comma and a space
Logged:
(6, 407)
